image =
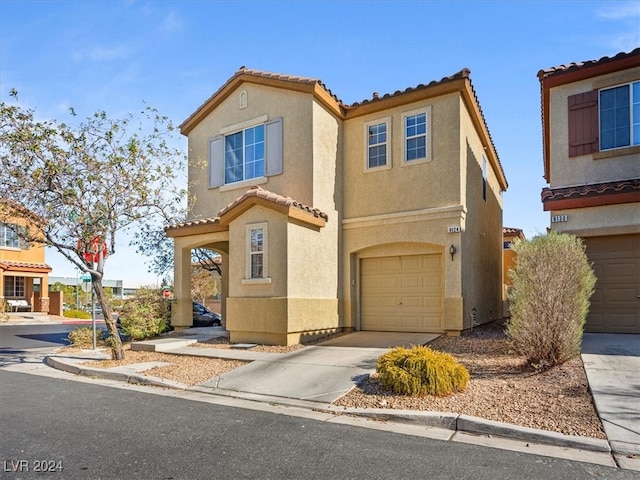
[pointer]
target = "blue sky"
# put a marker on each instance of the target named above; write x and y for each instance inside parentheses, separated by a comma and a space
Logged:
(112, 55)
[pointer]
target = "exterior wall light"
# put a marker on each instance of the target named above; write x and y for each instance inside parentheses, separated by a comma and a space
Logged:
(452, 251)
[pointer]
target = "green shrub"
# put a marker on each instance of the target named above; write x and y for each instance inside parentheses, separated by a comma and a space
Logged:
(83, 337)
(421, 370)
(551, 284)
(77, 314)
(145, 315)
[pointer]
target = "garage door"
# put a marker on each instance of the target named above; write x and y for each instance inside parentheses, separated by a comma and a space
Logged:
(402, 294)
(615, 306)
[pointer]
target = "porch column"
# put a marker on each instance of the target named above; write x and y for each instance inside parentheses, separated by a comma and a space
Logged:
(44, 294)
(182, 309)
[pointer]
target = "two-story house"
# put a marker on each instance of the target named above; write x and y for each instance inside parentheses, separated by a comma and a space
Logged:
(23, 271)
(591, 132)
(382, 215)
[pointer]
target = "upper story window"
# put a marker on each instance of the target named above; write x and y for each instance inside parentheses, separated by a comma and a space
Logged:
(9, 235)
(417, 135)
(620, 116)
(378, 135)
(604, 119)
(244, 155)
(247, 152)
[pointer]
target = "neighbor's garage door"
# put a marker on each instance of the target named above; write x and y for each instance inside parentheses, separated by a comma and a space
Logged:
(615, 306)
(402, 294)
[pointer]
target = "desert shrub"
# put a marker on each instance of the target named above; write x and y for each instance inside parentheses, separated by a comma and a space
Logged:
(83, 337)
(421, 370)
(551, 284)
(76, 314)
(145, 315)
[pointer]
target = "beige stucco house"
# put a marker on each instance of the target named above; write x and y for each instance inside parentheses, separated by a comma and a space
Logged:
(383, 215)
(591, 128)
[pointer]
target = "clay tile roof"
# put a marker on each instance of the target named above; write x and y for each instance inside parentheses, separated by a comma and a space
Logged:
(193, 223)
(587, 64)
(579, 191)
(4, 264)
(276, 198)
(511, 231)
(464, 73)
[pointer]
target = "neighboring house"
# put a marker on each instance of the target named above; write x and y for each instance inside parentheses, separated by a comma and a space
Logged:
(23, 271)
(383, 215)
(591, 128)
(509, 235)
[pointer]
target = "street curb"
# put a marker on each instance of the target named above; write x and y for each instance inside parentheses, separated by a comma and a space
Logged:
(449, 421)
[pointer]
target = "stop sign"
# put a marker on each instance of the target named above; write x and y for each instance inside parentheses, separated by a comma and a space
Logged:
(166, 294)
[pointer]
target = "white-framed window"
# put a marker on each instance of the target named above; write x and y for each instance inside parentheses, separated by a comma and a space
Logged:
(14, 287)
(246, 153)
(257, 243)
(619, 116)
(378, 144)
(9, 235)
(417, 135)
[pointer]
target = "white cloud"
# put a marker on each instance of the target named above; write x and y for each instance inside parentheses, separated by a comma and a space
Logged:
(172, 23)
(621, 11)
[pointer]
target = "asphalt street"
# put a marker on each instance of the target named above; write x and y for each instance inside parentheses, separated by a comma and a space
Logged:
(94, 431)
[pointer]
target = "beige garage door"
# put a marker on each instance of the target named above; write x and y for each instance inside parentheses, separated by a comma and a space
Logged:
(402, 294)
(615, 306)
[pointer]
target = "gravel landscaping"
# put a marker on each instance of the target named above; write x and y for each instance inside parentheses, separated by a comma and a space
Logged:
(500, 389)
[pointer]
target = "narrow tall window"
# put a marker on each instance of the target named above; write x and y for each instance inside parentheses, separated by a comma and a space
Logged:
(415, 136)
(484, 178)
(377, 145)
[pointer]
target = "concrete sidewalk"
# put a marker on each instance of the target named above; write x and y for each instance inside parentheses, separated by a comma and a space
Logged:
(612, 364)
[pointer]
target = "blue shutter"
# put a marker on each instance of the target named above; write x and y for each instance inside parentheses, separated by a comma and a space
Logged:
(216, 162)
(273, 147)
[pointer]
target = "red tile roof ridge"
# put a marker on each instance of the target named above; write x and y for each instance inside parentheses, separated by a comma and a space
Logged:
(193, 223)
(464, 73)
(587, 63)
(287, 78)
(9, 263)
(259, 192)
(592, 189)
(511, 230)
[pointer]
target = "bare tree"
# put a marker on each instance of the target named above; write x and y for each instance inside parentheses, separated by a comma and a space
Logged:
(90, 180)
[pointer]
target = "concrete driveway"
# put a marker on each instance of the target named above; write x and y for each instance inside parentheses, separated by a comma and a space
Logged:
(612, 364)
(320, 373)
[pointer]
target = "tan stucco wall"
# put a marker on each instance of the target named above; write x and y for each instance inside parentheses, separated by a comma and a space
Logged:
(296, 110)
(597, 221)
(585, 169)
(405, 186)
(481, 248)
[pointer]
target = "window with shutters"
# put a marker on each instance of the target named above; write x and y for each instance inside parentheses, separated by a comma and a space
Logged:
(583, 123)
(620, 116)
(250, 151)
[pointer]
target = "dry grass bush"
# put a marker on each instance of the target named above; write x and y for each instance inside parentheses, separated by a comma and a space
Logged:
(552, 283)
(83, 337)
(145, 315)
(421, 370)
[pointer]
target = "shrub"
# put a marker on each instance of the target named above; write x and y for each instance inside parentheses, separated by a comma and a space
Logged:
(83, 337)
(77, 314)
(145, 315)
(421, 370)
(551, 285)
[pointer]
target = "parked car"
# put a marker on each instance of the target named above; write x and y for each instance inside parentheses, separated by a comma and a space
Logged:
(203, 317)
